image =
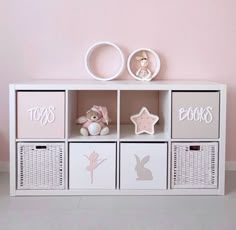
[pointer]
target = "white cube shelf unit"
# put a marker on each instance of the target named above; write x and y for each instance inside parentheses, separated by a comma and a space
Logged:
(185, 155)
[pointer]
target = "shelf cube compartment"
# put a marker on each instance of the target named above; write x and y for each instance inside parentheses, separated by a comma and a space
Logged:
(81, 101)
(40, 114)
(143, 166)
(194, 165)
(92, 165)
(40, 166)
(157, 103)
(195, 115)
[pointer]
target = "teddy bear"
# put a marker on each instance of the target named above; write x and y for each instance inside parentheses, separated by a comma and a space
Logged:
(95, 122)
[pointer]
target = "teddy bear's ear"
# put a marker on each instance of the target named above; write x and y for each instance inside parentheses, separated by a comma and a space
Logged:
(81, 120)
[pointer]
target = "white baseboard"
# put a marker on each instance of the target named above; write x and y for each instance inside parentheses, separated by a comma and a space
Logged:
(4, 166)
(230, 166)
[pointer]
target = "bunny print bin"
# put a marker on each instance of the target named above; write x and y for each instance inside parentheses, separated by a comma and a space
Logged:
(143, 166)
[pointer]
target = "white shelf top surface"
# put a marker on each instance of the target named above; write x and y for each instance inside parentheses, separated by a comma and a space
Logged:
(76, 136)
(116, 85)
(128, 134)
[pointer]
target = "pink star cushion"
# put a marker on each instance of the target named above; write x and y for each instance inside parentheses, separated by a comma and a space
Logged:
(144, 121)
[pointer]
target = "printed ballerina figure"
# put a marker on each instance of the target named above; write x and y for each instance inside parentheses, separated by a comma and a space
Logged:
(143, 72)
(94, 162)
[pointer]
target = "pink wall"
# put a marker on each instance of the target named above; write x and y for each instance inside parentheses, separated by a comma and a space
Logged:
(48, 39)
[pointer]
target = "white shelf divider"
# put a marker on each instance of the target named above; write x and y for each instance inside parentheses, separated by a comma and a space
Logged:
(12, 112)
(118, 114)
(118, 143)
(169, 110)
(66, 171)
(40, 140)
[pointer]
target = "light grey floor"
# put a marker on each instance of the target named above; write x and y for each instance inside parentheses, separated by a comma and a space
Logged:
(111, 213)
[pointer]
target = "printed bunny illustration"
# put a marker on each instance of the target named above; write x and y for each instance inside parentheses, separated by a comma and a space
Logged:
(142, 172)
(94, 162)
(143, 72)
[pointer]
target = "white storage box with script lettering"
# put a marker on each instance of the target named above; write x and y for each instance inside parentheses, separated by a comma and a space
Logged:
(92, 166)
(195, 114)
(40, 114)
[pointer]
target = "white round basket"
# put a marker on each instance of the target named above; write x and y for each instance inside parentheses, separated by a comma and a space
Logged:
(157, 60)
(90, 52)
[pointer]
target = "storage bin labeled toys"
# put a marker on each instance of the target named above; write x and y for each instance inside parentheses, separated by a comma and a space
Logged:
(195, 115)
(143, 166)
(92, 165)
(40, 114)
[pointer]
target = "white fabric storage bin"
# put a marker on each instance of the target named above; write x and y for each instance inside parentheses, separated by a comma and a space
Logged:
(143, 165)
(40, 166)
(194, 165)
(195, 115)
(92, 165)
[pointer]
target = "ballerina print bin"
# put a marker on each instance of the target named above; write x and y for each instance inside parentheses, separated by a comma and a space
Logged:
(92, 165)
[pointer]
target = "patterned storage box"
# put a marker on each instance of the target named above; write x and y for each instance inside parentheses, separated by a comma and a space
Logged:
(194, 165)
(40, 166)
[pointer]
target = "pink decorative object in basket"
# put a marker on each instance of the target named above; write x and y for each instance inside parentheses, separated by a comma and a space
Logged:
(144, 121)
